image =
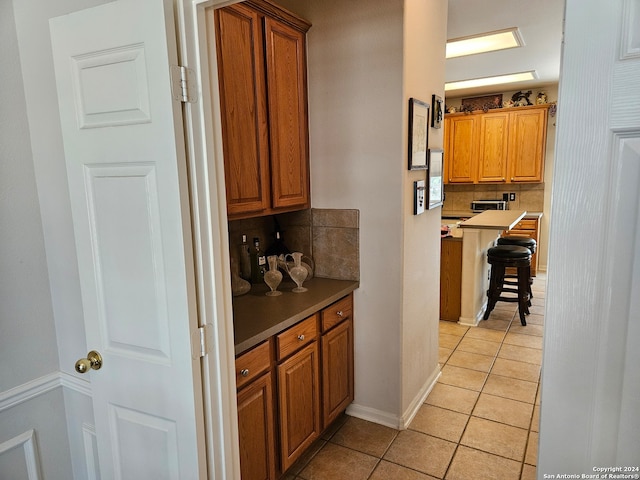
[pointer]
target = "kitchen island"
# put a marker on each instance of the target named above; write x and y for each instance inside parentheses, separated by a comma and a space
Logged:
(480, 234)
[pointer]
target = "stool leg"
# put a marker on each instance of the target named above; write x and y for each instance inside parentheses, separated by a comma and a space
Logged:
(495, 286)
(523, 293)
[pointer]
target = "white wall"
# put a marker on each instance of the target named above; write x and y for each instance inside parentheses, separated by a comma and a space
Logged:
(29, 395)
(424, 74)
(360, 80)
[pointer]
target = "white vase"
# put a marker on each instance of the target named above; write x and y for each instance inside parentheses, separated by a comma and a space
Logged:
(298, 273)
(273, 276)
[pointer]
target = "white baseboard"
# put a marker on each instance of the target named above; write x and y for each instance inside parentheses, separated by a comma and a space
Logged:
(394, 421)
(419, 399)
(40, 386)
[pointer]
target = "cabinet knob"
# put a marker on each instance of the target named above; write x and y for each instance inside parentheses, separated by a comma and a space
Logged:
(244, 372)
(339, 313)
(512, 179)
(301, 337)
(504, 179)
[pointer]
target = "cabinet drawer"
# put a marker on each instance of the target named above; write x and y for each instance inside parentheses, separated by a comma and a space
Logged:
(337, 312)
(297, 336)
(252, 363)
(526, 225)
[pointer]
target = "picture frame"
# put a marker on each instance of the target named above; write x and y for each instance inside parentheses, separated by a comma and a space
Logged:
(435, 180)
(437, 111)
(418, 134)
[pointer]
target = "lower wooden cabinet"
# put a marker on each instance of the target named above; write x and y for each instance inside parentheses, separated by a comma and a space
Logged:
(299, 397)
(292, 387)
(450, 278)
(256, 430)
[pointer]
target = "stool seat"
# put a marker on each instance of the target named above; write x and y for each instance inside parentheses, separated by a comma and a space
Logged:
(520, 241)
(501, 257)
(509, 252)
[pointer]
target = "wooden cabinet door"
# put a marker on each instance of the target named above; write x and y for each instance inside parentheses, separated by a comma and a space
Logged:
(450, 279)
(288, 124)
(492, 157)
(462, 149)
(256, 430)
(527, 144)
(299, 399)
(243, 109)
(337, 371)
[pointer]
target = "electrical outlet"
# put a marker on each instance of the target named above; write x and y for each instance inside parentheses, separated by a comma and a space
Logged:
(505, 197)
(512, 197)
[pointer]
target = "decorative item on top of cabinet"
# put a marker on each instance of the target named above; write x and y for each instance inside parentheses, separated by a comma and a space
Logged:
(501, 146)
(263, 99)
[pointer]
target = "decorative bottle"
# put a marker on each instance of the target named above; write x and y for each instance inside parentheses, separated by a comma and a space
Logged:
(273, 276)
(245, 259)
(258, 262)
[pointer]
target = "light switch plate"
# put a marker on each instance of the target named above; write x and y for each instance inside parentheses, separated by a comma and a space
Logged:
(418, 197)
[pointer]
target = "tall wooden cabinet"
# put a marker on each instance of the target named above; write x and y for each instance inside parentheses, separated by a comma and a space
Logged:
(261, 56)
(500, 146)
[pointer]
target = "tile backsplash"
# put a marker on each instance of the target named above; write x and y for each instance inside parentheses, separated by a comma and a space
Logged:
(529, 196)
(329, 236)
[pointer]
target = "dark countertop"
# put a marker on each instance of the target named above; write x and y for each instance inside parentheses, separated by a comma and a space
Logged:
(257, 317)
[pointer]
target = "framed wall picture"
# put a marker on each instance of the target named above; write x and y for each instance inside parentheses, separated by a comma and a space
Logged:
(437, 111)
(435, 178)
(418, 134)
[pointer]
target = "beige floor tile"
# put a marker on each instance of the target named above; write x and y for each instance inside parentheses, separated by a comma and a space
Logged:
(475, 345)
(390, 471)
(448, 341)
(538, 394)
(528, 329)
(452, 398)
(363, 436)
(473, 361)
(499, 314)
(335, 426)
(536, 309)
(306, 457)
(512, 388)
(496, 438)
(473, 464)
(444, 354)
(535, 419)
(495, 324)
(453, 328)
(538, 299)
(503, 410)
(421, 452)
(528, 472)
(534, 319)
(463, 377)
(521, 354)
(513, 369)
(334, 462)
(531, 457)
(528, 341)
(486, 334)
(439, 422)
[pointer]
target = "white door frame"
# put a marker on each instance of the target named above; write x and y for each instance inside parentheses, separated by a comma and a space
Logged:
(211, 249)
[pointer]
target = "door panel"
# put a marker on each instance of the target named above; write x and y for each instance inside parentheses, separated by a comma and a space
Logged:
(125, 156)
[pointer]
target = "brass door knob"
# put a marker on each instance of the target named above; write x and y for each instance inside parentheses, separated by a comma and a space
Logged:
(93, 361)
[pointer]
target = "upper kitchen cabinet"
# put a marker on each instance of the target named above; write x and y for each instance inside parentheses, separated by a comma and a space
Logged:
(500, 146)
(261, 53)
(461, 144)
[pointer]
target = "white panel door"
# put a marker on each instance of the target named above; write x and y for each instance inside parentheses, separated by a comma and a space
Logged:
(125, 155)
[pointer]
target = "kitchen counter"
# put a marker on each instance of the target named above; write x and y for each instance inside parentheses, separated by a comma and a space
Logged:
(495, 220)
(257, 317)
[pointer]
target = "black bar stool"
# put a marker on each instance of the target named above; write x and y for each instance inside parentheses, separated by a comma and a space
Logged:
(521, 241)
(500, 257)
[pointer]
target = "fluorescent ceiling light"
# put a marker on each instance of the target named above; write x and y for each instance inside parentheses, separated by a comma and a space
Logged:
(485, 81)
(484, 42)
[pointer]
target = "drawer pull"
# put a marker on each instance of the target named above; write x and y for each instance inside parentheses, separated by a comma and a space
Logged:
(244, 372)
(301, 337)
(339, 313)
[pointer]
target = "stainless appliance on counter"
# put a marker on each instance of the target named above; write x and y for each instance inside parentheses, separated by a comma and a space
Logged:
(479, 206)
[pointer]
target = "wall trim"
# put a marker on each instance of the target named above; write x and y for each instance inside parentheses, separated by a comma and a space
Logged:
(25, 440)
(419, 399)
(40, 386)
(374, 415)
